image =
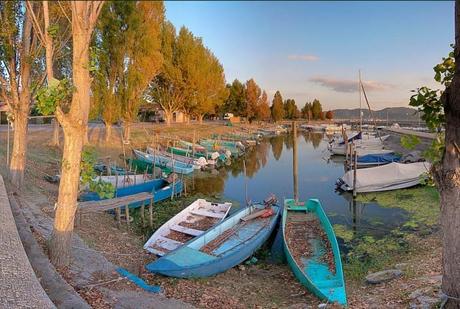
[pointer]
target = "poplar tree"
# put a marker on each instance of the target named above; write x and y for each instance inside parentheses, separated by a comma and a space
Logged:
(263, 111)
(252, 95)
(277, 107)
(236, 101)
(316, 109)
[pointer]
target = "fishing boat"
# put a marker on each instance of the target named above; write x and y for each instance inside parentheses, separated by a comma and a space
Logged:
(197, 163)
(392, 176)
(211, 157)
(228, 150)
(121, 181)
(160, 188)
(190, 146)
(371, 160)
(311, 250)
(191, 222)
(222, 247)
(146, 167)
(162, 161)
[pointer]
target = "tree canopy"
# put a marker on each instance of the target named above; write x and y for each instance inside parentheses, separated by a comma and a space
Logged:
(277, 107)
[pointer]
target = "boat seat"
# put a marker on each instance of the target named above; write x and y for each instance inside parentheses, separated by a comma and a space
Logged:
(167, 243)
(186, 230)
(210, 214)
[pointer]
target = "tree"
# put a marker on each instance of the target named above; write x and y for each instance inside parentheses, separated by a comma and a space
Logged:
(168, 88)
(263, 109)
(306, 111)
(74, 120)
(252, 95)
(277, 107)
(290, 109)
(236, 101)
(316, 109)
(142, 59)
(19, 50)
(202, 74)
(329, 115)
(441, 109)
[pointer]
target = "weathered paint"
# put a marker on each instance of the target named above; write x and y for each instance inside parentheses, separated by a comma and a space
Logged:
(187, 261)
(313, 273)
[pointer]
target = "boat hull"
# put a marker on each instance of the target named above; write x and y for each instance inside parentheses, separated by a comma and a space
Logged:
(314, 274)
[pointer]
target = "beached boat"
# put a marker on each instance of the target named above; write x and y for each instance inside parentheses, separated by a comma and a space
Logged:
(197, 163)
(376, 159)
(160, 188)
(146, 167)
(190, 146)
(312, 251)
(228, 150)
(191, 222)
(121, 181)
(222, 247)
(162, 161)
(392, 176)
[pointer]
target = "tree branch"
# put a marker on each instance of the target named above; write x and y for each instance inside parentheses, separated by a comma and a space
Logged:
(35, 23)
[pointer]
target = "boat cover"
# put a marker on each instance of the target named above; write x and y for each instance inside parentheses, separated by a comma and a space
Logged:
(386, 177)
(379, 158)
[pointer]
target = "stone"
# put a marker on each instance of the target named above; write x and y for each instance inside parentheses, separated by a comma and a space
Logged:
(322, 306)
(383, 276)
(402, 266)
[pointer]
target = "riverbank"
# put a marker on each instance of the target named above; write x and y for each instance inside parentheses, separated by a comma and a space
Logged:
(245, 286)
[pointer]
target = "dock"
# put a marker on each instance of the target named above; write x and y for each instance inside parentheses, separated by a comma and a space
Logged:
(411, 132)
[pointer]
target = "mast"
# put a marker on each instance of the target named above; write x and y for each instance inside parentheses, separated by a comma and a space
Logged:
(360, 111)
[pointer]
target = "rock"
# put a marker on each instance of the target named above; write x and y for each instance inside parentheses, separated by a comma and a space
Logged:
(383, 276)
(322, 306)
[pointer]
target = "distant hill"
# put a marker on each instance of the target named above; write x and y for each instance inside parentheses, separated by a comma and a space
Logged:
(390, 113)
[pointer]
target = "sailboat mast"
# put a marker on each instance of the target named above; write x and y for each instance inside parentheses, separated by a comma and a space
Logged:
(360, 111)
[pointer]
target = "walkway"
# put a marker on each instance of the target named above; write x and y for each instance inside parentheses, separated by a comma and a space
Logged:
(19, 287)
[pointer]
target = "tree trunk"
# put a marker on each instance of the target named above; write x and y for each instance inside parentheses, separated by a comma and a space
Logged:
(200, 119)
(108, 132)
(74, 124)
(168, 116)
(55, 141)
(127, 131)
(448, 179)
(18, 155)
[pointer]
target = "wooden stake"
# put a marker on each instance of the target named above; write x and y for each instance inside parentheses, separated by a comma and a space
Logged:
(151, 213)
(118, 216)
(127, 215)
(143, 213)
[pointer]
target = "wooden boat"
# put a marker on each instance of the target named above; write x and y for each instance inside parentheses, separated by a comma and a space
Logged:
(220, 248)
(160, 188)
(388, 177)
(121, 181)
(146, 167)
(312, 251)
(360, 150)
(162, 161)
(188, 153)
(197, 163)
(191, 222)
(190, 146)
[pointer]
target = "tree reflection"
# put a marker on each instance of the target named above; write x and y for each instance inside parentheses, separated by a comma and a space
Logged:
(316, 139)
(277, 146)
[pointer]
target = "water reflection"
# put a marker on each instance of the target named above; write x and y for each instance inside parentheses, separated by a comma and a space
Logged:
(271, 172)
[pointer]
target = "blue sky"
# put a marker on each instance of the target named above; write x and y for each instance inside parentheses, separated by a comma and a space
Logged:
(313, 50)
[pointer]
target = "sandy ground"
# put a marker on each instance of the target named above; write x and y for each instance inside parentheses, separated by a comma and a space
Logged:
(246, 286)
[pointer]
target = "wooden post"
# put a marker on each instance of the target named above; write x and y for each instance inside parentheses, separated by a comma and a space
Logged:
(151, 213)
(193, 143)
(127, 215)
(143, 213)
(355, 165)
(118, 216)
(294, 161)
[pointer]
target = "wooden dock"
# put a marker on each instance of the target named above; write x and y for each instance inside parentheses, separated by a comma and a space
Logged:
(410, 132)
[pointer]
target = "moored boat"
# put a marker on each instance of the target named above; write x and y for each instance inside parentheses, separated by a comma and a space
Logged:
(197, 163)
(162, 161)
(223, 246)
(376, 159)
(160, 188)
(189, 223)
(312, 251)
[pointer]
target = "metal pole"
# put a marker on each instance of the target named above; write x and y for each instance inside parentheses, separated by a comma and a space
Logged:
(360, 112)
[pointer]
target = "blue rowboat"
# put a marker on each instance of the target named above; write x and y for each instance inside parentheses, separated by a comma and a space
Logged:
(162, 161)
(220, 248)
(160, 188)
(308, 257)
(377, 159)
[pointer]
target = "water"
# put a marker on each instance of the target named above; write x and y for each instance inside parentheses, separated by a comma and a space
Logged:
(269, 170)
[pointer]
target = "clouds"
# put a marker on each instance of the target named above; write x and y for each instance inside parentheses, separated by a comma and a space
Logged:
(348, 85)
(305, 57)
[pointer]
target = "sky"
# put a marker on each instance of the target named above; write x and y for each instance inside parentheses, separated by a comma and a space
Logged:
(309, 50)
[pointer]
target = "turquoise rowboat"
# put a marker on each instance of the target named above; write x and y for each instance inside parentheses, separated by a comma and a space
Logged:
(309, 258)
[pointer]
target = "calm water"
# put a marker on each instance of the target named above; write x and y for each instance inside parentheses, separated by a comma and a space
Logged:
(269, 170)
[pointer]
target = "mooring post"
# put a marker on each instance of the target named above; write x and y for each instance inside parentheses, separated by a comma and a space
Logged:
(118, 215)
(355, 167)
(143, 213)
(151, 213)
(127, 215)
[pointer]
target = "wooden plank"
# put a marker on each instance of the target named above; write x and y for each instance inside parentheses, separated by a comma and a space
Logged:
(254, 215)
(108, 204)
(167, 243)
(186, 230)
(205, 213)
